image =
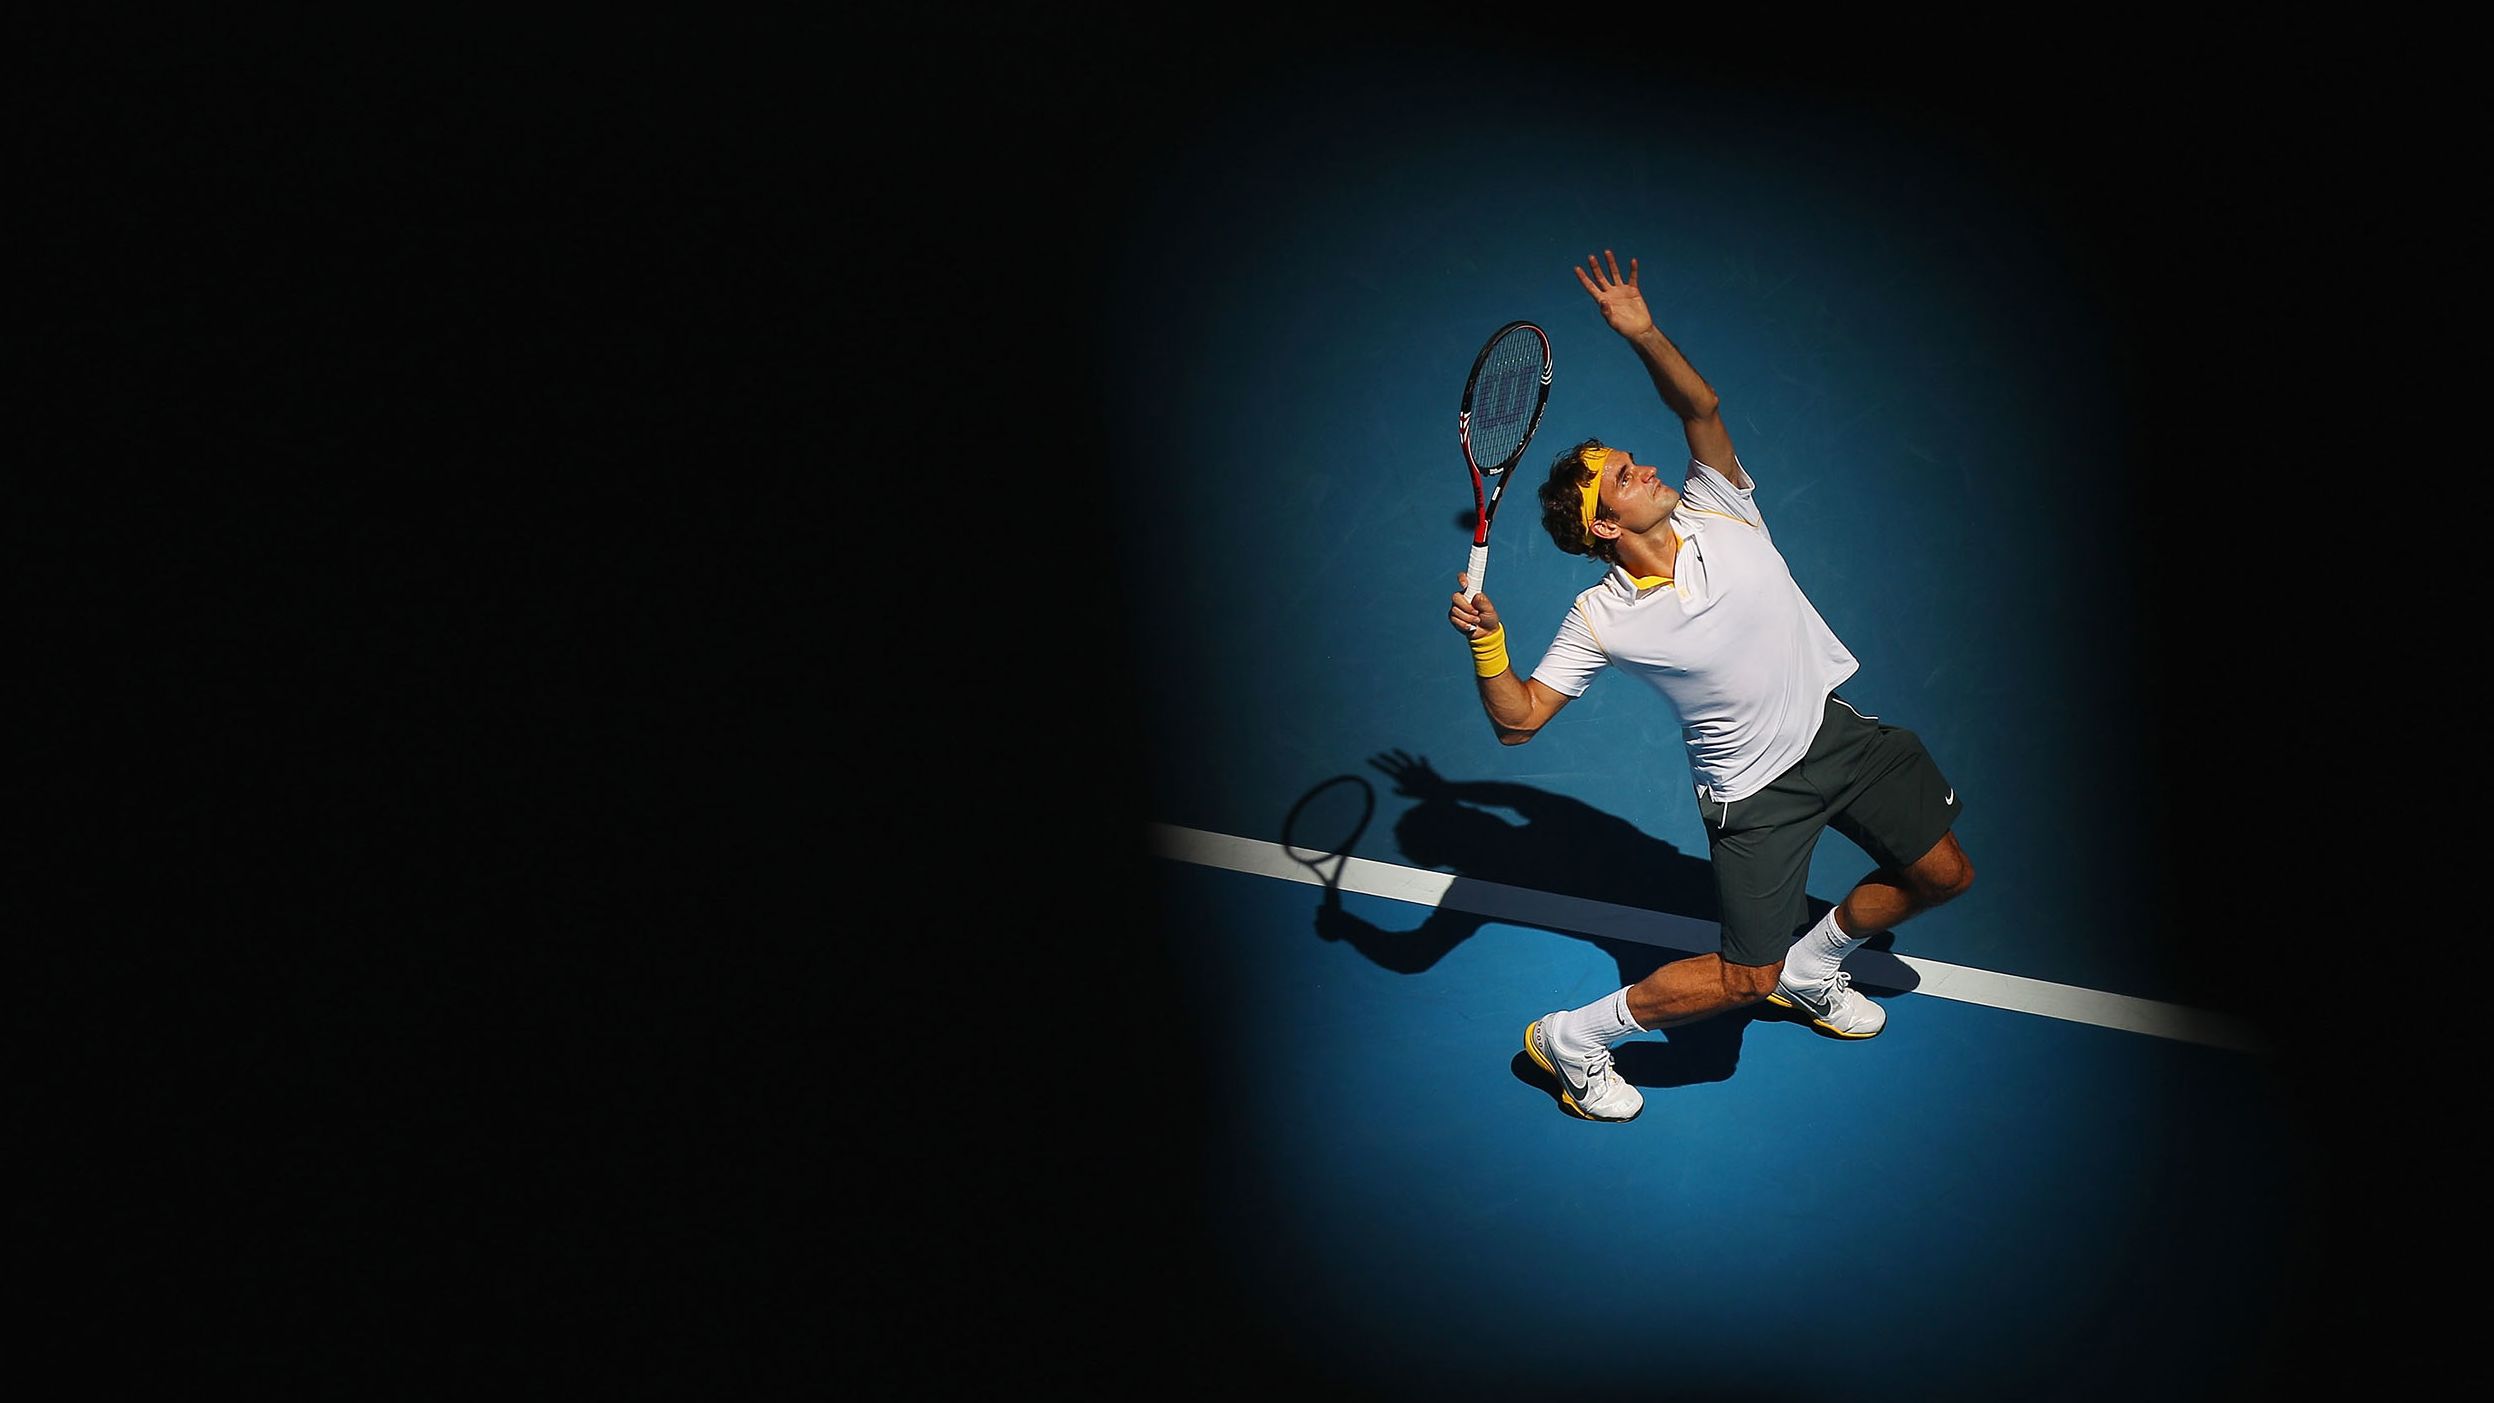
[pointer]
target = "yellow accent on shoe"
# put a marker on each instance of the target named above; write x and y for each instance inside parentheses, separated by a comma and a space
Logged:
(1567, 1098)
(1532, 1049)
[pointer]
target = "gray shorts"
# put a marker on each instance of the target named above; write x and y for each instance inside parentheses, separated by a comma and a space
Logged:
(1873, 783)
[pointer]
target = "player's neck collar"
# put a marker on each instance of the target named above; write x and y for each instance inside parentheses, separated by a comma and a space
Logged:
(1670, 558)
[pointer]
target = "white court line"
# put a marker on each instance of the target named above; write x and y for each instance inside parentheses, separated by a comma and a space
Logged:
(1872, 969)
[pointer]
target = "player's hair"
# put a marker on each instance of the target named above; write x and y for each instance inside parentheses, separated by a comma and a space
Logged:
(1563, 505)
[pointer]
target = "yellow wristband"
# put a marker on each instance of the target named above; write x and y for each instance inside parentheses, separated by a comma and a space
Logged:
(1489, 652)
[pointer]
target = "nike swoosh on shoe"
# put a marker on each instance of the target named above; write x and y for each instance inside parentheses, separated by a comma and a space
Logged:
(1784, 997)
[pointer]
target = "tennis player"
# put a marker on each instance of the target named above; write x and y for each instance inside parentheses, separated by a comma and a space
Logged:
(1699, 605)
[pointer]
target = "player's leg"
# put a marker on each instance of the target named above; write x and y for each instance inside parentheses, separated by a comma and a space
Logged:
(1891, 800)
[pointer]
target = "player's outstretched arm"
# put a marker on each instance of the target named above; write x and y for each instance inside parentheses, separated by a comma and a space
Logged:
(1622, 303)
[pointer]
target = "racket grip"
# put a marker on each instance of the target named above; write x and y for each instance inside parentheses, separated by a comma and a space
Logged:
(1475, 571)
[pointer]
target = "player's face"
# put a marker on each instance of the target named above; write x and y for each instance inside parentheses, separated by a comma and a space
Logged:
(1635, 492)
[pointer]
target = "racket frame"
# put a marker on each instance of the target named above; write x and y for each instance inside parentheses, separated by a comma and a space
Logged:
(1485, 495)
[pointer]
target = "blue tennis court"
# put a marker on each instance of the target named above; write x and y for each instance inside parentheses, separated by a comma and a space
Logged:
(2080, 1162)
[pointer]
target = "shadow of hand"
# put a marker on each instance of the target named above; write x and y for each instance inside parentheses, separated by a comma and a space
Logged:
(1413, 775)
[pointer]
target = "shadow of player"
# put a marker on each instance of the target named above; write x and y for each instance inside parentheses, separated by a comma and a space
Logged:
(1558, 844)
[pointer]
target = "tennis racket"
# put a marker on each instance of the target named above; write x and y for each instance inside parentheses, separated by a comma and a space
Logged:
(1325, 825)
(1502, 402)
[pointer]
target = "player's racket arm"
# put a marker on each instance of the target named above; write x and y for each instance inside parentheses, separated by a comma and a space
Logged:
(1518, 707)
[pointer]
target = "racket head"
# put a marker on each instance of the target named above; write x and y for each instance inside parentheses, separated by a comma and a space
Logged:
(1504, 395)
(1328, 820)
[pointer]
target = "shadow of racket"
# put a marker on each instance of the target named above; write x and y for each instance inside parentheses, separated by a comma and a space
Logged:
(1325, 825)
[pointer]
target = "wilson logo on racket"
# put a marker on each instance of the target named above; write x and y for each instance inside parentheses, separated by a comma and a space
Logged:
(1507, 398)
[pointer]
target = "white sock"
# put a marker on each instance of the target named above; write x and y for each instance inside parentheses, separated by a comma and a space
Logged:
(1598, 1024)
(1815, 957)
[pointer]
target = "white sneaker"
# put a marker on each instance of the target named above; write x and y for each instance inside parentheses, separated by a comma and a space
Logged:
(1833, 1007)
(1589, 1087)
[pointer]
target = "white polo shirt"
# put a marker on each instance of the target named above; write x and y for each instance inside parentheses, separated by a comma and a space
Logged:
(1731, 642)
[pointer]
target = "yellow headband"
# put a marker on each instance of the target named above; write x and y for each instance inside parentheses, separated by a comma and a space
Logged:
(1594, 459)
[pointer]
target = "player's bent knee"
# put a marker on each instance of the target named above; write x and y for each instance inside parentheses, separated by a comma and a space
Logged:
(1959, 876)
(1747, 984)
(1932, 890)
(1943, 874)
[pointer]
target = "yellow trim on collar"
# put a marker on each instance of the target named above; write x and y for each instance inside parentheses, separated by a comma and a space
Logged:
(1709, 511)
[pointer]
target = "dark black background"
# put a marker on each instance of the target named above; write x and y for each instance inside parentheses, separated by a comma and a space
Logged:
(515, 657)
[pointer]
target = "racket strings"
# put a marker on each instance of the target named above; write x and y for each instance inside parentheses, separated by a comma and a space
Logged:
(1505, 392)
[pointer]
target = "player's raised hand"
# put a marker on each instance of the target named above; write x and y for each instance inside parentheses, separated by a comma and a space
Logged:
(1622, 304)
